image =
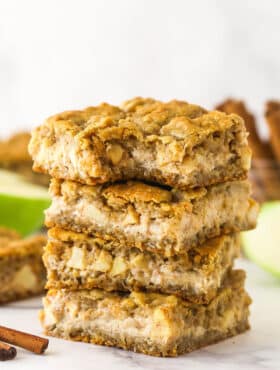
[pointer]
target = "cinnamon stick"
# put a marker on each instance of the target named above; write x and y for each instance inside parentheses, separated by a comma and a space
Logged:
(272, 115)
(260, 148)
(264, 173)
(27, 341)
(7, 352)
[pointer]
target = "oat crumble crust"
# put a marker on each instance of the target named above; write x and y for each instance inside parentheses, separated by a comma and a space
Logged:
(174, 143)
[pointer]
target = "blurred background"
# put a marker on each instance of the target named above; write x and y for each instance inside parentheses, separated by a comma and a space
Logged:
(58, 55)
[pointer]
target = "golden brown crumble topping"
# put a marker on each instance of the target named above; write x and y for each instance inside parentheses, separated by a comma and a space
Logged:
(144, 139)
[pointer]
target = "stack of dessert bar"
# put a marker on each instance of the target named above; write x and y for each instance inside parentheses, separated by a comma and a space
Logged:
(147, 203)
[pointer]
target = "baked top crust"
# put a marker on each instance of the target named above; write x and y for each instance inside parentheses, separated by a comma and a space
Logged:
(121, 194)
(137, 191)
(141, 118)
(106, 143)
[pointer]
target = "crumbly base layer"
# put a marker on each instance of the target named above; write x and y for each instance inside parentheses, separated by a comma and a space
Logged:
(175, 143)
(183, 346)
(152, 218)
(77, 261)
(154, 324)
(232, 171)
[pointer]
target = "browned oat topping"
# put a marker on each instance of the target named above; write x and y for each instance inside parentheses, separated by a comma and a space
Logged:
(175, 143)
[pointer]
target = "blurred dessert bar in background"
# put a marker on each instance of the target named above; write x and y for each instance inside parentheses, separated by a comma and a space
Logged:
(14, 156)
(22, 273)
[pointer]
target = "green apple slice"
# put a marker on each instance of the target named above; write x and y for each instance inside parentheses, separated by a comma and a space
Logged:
(22, 204)
(262, 245)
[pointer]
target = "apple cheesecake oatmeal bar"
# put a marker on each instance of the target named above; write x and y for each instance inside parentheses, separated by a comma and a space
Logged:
(176, 143)
(77, 261)
(151, 323)
(22, 273)
(150, 217)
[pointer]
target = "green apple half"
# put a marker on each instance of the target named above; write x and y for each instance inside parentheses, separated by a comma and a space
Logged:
(22, 204)
(262, 245)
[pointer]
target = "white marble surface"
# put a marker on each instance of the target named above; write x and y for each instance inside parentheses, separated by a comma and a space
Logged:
(255, 350)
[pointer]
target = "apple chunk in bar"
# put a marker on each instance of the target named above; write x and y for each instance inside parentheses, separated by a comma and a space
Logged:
(150, 217)
(78, 261)
(175, 143)
(150, 323)
(22, 273)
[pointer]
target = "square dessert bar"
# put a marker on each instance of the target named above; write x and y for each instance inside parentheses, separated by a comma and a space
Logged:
(154, 324)
(22, 273)
(77, 261)
(176, 144)
(152, 218)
